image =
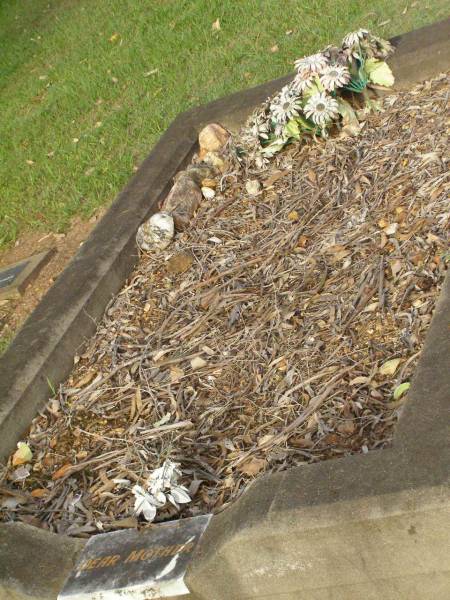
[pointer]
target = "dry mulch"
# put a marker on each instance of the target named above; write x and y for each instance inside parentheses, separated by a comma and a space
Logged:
(259, 339)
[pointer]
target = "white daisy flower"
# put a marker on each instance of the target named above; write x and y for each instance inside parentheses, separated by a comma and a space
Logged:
(260, 129)
(334, 76)
(351, 39)
(309, 65)
(279, 130)
(301, 83)
(285, 106)
(321, 108)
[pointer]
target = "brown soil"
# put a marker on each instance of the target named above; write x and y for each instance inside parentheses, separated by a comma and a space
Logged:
(13, 312)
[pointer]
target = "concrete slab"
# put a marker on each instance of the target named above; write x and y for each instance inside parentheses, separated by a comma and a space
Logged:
(16, 277)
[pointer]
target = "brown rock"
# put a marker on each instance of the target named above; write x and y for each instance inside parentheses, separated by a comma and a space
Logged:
(197, 172)
(183, 200)
(217, 161)
(211, 183)
(212, 138)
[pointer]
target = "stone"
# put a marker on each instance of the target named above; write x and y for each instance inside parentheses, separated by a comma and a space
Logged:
(197, 172)
(211, 183)
(136, 564)
(208, 193)
(252, 187)
(216, 160)
(183, 200)
(156, 233)
(212, 138)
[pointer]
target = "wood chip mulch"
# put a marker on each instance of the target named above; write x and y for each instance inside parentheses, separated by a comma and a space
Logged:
(264, 337)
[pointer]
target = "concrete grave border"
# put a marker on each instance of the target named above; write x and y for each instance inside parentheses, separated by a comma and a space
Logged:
(369, 526)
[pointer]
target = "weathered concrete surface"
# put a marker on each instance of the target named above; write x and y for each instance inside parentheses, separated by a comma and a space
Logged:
(33, 562)
(333, 531)
(285, 537)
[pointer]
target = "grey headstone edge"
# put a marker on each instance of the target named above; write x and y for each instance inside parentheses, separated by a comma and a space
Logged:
(409, 477)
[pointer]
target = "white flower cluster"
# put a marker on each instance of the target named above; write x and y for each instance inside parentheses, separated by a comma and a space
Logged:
(311, 102)
(162, 487)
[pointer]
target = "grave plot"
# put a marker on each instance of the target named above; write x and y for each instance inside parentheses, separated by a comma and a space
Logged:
(281, 327)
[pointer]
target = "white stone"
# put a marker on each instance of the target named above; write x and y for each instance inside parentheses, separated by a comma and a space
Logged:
(208, 193)
(156, 233)
(252, 186)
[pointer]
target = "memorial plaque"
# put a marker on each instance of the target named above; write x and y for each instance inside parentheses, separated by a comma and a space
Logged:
(137, 565)
(15, 278)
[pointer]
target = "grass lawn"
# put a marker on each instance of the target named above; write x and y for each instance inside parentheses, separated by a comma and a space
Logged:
(88, 86)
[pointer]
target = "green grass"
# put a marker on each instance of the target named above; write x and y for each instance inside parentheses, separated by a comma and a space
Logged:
(58, 61)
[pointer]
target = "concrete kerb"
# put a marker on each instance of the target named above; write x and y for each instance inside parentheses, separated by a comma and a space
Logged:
(323, 514)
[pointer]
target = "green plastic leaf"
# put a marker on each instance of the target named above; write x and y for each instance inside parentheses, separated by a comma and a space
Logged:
(359, 76)
(401, 389)
(314, 88)
(273, 148)
(350, 121)
(305, 123)
(292, 129)
(379, 72)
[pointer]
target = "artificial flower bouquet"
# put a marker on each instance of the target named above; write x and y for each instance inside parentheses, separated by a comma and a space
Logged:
(318, 96)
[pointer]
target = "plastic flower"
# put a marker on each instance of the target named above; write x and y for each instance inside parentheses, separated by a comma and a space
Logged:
(144, 503)
(285, 106)
(310, 65)
(321, 108)
(301, 83)
(334, 76)
(351, 39)
(162, 487)
(380, 48)
(260, 129)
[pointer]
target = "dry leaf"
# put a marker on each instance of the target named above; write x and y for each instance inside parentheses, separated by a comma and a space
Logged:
(22, 455)
(151, 72)
(62, 471)
(264, 439)
(85, 380)
(302, 241)
(389, 367)
(276, 175)
(360, 380)
(252, 466)
(347, 427)
(40, 493)
(179, 263)
(312, 176)
(176, 374)
(198, 363)
(391, 229)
